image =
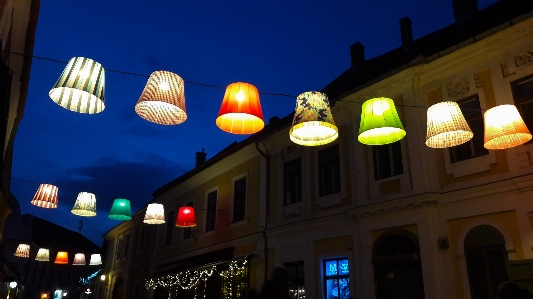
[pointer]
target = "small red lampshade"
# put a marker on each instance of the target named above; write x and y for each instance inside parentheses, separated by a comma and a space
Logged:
(61, 258)
(186, 217)
(240, 112)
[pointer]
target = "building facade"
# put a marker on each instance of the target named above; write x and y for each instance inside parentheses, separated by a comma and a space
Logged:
(354, 221)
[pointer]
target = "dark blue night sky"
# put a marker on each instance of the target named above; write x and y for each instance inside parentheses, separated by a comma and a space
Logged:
(286, 47)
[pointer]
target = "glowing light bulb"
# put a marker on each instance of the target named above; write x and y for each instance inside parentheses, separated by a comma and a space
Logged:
(163, 85)
(240, 96)
(122, 204)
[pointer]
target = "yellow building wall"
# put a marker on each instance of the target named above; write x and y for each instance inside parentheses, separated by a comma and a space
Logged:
(455, 227)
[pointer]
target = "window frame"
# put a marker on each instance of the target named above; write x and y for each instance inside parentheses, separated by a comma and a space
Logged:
(294, 174)
(337, 180)
(392, 150)
(338, 277)
(297, 280)
(244, 200)
(211, 214)
(169, 229)
(520, 100)
(187, 231)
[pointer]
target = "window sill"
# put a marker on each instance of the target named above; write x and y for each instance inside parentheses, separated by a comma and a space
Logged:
(209, 233)
(330, 200)
(239, 223)
(293, 209)
(469, 166)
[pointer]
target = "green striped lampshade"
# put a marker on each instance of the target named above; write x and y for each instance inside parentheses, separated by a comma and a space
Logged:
(380, 123)
(85, 205)
(81, 86)
(121, 209)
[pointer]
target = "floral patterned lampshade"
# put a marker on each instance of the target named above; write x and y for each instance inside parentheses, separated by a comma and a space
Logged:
(163, 99)
(186, 217)
(85, 205)
(61, 258)
(446, 126)
(240, 112)
(46, 196)
(96, 259)
(155, 214)
(79, 259)
(23, 250)
(313, 123)
(43, 255)
(80, 88)
(380, 123)
(504, 128)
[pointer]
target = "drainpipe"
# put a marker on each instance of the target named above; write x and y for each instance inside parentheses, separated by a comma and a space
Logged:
(267, 203)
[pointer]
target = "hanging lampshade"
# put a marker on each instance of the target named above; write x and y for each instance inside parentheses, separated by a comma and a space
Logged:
(504, 128)
(43, 255)
(85, 205)
(61, 258)
(46, 196)
(380, 123)
(79, 259)
(446, 126)
(163, 99)
(240, 112)
(313, 123)
(23, 250)
(81, 86)
(96, 259)
(186, 217)
(155, 214)
(121, 209)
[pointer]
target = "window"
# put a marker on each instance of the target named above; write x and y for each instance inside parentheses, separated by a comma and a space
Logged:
(337, 278)
(297, 279)
(239, 199)
(188, 230)
(119, 249)
(141, 239)
(170, 227)
(387, 160)
(523, 99)
(210, 219)
(126, 246)
(292, 181)
(473, 148)
(329, 172)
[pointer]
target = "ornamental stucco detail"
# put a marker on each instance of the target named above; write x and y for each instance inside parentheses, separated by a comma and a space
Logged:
(458, 87)
(523, 58)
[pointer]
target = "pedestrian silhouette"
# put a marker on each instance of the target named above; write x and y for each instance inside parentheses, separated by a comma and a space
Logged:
(277, 287)
(512, 290)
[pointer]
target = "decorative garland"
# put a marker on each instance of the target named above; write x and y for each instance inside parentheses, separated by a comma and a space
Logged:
(189, 279)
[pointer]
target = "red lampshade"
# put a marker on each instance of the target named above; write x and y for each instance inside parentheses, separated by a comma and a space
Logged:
(61, 258)
(240, 112)
(186, 217)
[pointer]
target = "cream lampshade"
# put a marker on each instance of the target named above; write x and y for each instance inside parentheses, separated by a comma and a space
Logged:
(504, 128)
(163, 99)
(155, 214)
(80, 88)
(446, 126)
(96, 259)
(43, 255)
(79, 259)
(313, 123)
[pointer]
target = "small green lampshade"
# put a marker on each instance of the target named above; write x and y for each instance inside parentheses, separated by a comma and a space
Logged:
(121, 209)
(380, 123)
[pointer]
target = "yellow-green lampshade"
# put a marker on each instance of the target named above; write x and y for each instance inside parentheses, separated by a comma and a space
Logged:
(313, 123)
(380, 123)
(80, 88)
(85, 205)
(121, 209)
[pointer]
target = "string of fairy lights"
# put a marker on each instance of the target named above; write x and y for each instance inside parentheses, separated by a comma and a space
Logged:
(190, 279)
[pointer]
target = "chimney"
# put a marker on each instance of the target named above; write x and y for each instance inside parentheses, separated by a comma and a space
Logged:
(407, 33)
(464, 9)
(357, 52)
(200, 158)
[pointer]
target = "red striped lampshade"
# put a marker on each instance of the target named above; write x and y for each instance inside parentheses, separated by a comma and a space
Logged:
(46, 196)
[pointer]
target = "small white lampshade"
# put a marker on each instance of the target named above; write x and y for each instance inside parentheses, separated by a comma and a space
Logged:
(155, 214)
(313, 122)
(23, 250)
(85, 205)
(81, 86)
(96, 259)
(79, 259)
(446, 126)
(43, 255)
(504, 128)
(163, 99)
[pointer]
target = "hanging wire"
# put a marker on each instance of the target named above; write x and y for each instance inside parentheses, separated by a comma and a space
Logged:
(147, 76)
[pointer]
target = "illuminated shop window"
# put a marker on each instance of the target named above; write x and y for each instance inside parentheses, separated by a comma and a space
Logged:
(336, 278)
